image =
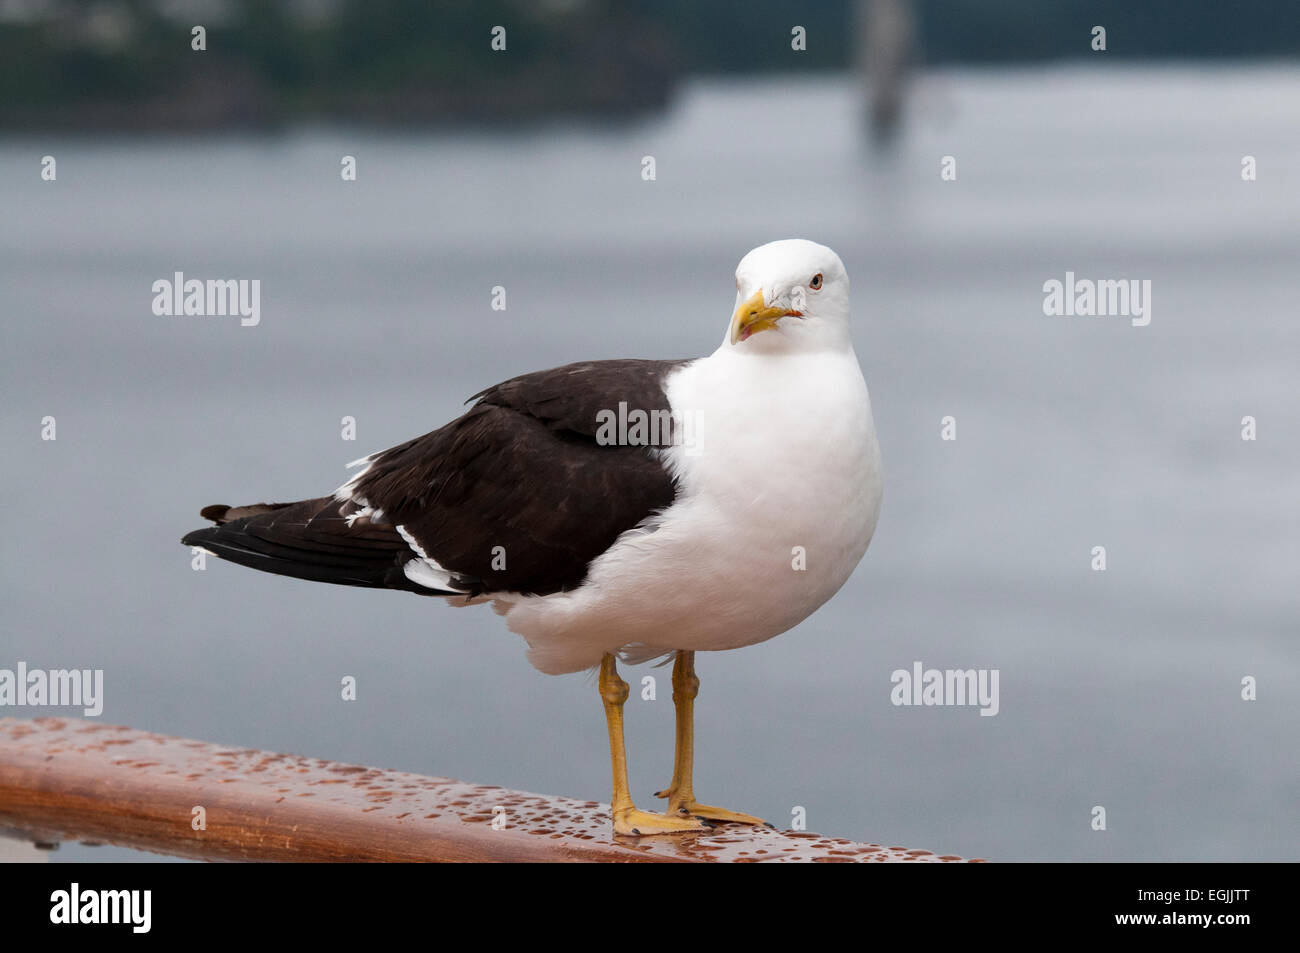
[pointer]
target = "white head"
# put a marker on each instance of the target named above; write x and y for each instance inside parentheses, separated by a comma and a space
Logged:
(795, 289)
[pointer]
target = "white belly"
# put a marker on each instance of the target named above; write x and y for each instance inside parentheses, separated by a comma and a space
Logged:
(777, 502)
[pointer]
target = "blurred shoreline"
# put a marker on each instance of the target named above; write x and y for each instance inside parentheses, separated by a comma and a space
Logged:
(134, 66)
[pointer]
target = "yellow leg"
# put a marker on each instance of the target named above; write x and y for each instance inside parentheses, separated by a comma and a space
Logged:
(627, 819)
(680, 794)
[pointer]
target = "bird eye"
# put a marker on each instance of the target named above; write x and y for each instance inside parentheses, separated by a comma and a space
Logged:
(816, 281)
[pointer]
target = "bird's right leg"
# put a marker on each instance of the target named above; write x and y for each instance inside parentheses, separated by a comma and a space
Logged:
(627, 819)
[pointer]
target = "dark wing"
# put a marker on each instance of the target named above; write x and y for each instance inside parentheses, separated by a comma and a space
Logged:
(515, 495)
(311, 539)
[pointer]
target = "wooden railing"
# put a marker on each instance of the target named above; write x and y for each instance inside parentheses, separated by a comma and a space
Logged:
(72, 780)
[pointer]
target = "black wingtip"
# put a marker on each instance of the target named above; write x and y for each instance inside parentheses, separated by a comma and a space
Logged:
(308, 540)
(196, 537)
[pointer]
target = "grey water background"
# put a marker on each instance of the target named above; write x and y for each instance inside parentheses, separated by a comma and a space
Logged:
(1119, 689)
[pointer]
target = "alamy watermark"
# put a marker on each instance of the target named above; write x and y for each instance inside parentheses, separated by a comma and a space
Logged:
(179, 295)
(636, 427)
(131, 908)
(1104, 297)
(55, 688)
(949, 687)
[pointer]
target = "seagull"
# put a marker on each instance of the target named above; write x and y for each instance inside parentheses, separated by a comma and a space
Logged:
(630, 510)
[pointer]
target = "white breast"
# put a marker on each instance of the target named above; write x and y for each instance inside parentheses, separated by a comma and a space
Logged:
(779, 492)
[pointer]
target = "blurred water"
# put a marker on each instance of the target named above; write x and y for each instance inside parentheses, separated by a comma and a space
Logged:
(1118, 689)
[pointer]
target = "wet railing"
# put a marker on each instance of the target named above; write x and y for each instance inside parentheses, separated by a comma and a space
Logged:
(71, 780)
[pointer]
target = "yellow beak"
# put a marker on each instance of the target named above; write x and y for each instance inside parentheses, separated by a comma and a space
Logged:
(754, 315)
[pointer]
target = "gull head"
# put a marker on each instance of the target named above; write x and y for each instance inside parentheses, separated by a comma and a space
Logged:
(791, 295)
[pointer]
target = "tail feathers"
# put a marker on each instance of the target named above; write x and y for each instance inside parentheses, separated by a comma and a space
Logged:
(311, 539)
(228, 514)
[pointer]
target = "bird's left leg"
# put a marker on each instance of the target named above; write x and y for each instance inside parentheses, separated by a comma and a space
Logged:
(681, 796)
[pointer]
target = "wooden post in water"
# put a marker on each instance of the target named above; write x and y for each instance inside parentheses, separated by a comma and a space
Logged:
(886, 31)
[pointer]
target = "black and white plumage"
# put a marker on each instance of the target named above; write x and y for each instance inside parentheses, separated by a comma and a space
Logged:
(516, 495)
(642, 547)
